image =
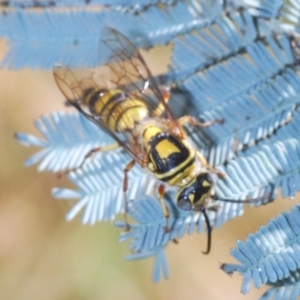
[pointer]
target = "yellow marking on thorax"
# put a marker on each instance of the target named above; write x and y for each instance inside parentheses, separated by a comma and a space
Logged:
(181, 178)
(165, 148)
(150, 132)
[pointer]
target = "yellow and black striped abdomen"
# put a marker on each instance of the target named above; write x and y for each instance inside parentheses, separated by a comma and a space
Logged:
(171, 160)
(117, 111)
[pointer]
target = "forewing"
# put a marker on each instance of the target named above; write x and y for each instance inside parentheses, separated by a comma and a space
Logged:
(130, 72)
(74, 83)
(121, 66)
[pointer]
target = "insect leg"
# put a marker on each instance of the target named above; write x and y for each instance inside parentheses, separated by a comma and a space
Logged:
(125, 188)
(207, 166)
(194, 122)
(88, 155)
(161, 195)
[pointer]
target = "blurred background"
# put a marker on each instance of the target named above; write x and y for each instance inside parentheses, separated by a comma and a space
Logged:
(44, 257)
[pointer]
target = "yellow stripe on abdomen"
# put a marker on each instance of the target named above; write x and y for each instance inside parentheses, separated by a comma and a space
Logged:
(116, 110)
(126, 114)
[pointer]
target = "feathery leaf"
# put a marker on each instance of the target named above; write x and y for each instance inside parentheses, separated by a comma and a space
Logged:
(44, 45)
(271, 256)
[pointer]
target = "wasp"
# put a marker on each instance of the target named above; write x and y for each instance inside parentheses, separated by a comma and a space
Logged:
(122, 97)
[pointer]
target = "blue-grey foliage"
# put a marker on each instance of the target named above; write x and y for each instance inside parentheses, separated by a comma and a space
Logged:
(63, 150)
(271, 256)
(113, 4)
(232, 60)
(44, 45)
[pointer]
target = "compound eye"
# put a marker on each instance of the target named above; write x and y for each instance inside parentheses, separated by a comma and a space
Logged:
(184, 204)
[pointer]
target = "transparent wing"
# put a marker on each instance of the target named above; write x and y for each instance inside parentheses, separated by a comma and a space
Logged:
(121, 67)
(130, 72)
(74, 83)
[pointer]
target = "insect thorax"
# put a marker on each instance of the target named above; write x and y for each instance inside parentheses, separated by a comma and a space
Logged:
(170, 159)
